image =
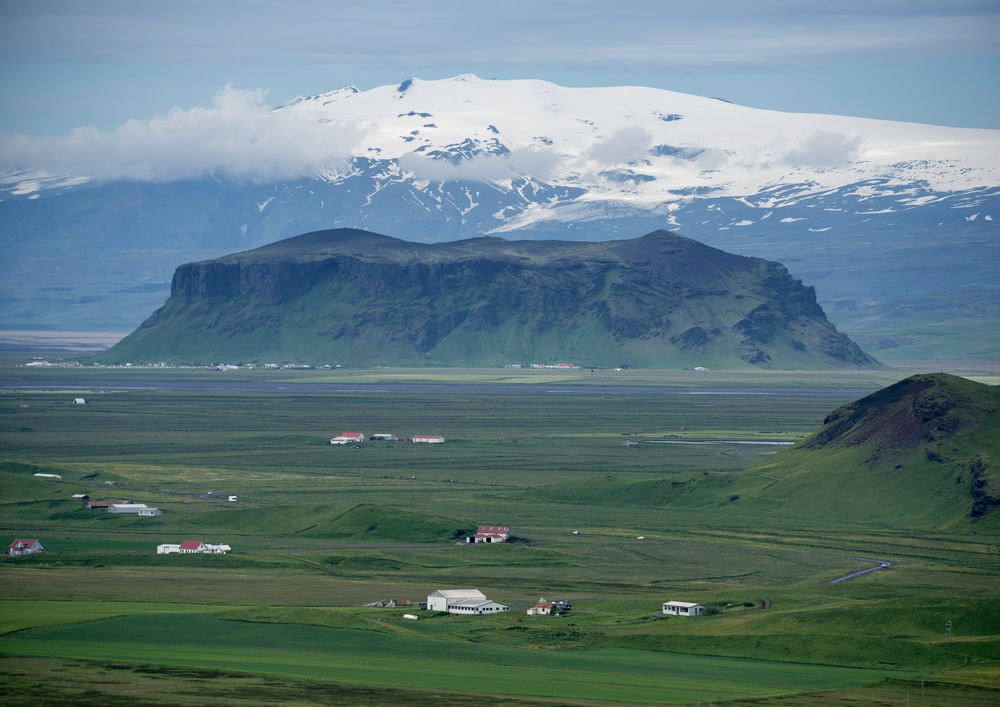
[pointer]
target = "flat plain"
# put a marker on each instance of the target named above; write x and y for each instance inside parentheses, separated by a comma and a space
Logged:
(573, 461)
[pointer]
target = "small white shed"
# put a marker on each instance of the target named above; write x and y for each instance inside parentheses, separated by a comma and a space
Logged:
(79, 401)
(683, 608)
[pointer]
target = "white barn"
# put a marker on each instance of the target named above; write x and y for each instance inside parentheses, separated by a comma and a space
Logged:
(683, 608)
(463, 601)
(427, 439)
(348, 438)
(134, 508)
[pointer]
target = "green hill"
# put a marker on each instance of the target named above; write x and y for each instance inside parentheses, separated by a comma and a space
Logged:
(923, 451)
(361, 299)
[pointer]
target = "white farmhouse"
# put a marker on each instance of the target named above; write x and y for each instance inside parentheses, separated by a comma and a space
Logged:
(149, 512)
(683, 608)
(463, 601)
(133, 508)
(348, 438)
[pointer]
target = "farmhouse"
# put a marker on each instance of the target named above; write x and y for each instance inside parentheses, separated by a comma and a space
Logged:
(463, 601)
(191, 546)
(683, 608)
(491, 534)
(149, 512)
(25, 546)
(553, 608)
(348, 438)
(427, 439)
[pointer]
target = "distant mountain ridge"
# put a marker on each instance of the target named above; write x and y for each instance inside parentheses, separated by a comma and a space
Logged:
(352, 297)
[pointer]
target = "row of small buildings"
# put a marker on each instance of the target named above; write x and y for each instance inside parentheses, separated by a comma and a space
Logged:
(472, 602)
(359, 438)
(192, 547)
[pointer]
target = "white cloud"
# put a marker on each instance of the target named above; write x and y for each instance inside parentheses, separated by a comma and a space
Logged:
(824, 149)
(238, 135)
(624, 145)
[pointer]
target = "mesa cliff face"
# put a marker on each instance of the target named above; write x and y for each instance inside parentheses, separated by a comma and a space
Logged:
(361, 299)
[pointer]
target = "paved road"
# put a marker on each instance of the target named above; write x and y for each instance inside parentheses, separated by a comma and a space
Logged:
(879, 565)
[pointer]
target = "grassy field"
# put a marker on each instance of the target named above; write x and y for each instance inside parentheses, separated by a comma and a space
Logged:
(319, 531)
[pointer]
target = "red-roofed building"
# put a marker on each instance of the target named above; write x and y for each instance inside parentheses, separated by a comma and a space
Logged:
(191, 546)
(491, 534)
(25, 546)
(349, 438)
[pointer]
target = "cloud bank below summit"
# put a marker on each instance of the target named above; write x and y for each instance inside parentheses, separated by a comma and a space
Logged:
(239, 135)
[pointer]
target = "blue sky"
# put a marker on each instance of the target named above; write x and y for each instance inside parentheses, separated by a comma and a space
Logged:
(65, 64)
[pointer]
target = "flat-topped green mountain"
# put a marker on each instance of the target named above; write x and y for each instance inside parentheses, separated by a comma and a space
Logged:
(361, 299)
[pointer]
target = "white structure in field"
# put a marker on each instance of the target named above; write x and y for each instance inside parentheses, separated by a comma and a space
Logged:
(427, 439)
(43, 475)
(79, 401)
(232, 499)
(683, 608)
(149, 512)
(25, 546)
(463, 601)
(349, 438)
(133, 508)
(490, 534)
(383, 437)
(192, 547)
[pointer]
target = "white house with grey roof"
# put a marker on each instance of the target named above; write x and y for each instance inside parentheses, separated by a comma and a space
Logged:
(683, 608)
(463, 601)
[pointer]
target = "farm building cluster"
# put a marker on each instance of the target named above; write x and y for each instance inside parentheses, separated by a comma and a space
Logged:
(192, 547)
(25, 546)
(357, 439)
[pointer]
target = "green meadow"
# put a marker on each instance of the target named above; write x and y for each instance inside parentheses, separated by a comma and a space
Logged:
(581, 465)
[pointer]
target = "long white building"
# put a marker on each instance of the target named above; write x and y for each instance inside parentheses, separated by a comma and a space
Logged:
(463, 601)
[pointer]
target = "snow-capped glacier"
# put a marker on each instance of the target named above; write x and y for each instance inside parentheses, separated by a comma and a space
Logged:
(465, 157)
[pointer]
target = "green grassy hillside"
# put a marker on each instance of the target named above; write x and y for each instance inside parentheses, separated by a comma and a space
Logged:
(923, 452)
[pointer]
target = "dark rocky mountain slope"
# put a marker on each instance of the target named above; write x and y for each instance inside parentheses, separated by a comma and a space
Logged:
(357, 298)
